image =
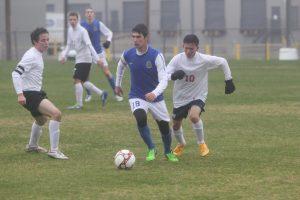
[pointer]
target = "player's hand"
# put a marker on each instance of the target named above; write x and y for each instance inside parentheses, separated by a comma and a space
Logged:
(179, 74)
(150, 96)
(21, 99)
(229, 87)
(100, 63)
(118, 91)
(106, 44)
(62, 60)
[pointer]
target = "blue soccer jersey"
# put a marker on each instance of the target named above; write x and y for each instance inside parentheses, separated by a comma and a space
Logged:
(94, 33)
(143, 72)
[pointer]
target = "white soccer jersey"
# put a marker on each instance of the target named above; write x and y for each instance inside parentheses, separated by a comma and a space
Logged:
(28, 74)
(79, 40)
(195, 84)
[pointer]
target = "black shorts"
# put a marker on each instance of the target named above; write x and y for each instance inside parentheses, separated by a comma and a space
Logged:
(33, 100)
(82, 71)
(182, 112)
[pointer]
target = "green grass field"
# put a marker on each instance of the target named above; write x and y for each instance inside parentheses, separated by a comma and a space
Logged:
(253, 135)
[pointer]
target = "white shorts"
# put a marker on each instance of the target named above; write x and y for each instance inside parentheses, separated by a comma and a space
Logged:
(102, 58)
(158, 110)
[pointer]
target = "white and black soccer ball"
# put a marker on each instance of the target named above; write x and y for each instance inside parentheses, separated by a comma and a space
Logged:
(124, 159)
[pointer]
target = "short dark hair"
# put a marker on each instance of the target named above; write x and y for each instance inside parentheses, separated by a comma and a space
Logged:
(73, 14)
(141, 29)
(35, 34)
(191, 38)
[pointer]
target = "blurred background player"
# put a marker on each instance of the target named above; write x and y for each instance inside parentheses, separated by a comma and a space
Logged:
(189, 71)
(27, 79)
(148, 81)
(78, 39)
(95, 28)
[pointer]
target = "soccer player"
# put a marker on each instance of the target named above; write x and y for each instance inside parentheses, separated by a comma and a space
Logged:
(27, 79)
(78, 39)
(148, 81)
(189, 71)
(95, 29)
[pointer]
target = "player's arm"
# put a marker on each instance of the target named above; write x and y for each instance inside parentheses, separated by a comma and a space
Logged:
(107, 33)
(64, 53)
(162, 78)
(119, 75)
(219, 62)
(87, 41)
(172, 73)
(24, 65)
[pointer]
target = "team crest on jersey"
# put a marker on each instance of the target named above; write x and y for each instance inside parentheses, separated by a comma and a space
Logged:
(149, 64)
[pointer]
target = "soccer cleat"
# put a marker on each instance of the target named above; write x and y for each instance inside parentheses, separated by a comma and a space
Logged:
(104, 98)
(178, 150)
(171, 157)
(203, 149)
(88, 98)
(118, 98)
(36, 149)
(151, 155)
(74, 107)
(57, 155)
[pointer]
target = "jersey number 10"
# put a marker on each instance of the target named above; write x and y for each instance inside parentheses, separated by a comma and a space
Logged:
(189, 78)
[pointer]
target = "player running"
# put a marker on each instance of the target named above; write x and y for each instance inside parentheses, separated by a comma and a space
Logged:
(189, 71)
(148, 81)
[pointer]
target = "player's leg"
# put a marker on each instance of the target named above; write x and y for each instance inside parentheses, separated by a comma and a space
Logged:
(88, 96)
(47, 108)
(91, 87)
(139, 109)
(36, 132)
(178, 133)
(79, 74)
(160, 113)
(194, 116)
(33, 99)
(178, 115)
(109, 75)
(85, 71)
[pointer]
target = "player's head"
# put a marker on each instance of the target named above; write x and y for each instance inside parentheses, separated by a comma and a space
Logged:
(73, 18)
(190, 45)
(40, 39)
(89, 14)
(139, 35)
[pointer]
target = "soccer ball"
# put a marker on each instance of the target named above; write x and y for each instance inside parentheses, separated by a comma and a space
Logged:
(124, 159)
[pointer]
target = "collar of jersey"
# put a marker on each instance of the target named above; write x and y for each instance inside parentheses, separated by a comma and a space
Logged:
(140, 53)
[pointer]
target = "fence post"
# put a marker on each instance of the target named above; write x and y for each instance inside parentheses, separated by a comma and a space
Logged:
(207, 49)
(108, 54)
(267, 49)
(175, 50)
(237, 51)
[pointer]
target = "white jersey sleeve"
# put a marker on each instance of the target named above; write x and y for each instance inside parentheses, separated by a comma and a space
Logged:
(87, 41)
(106, 31)
(68, 46)
(171, 68)
(162, 75)
(219, 62)
(120, 71)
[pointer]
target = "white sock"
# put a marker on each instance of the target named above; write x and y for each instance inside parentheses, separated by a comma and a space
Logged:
(36, 132)
(179, 136)
(198, 128)
(78, 93)
(54, 135)
(90, 86)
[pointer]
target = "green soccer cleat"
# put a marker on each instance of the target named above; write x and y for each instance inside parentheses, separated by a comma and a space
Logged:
(171, 157)
(151, 155)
